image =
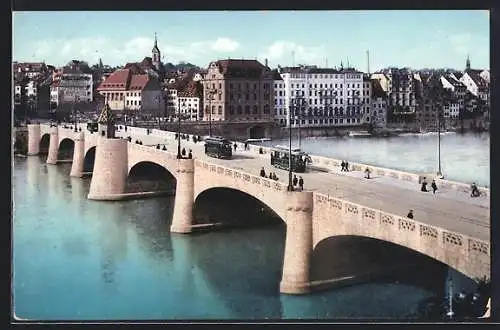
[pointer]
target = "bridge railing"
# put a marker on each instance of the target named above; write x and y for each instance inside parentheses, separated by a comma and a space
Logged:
(408, 232)
(241, 176)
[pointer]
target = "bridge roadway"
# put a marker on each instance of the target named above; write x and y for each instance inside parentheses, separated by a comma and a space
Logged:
(449, 209)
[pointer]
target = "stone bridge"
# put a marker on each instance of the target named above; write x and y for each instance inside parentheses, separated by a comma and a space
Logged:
(310, 216)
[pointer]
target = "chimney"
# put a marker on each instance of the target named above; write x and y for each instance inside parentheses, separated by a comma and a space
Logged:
(266, 62)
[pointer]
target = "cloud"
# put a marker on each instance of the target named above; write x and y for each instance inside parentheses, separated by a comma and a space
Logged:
(225, 45)
(61, 51)
(281, 49)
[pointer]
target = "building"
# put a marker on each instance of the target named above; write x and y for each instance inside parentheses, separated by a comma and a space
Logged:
(401, 95)
(280, 109)
(190, 101)
(31, 93)
(378, 113)
(325, 96)
(151, 66)
(72, 83)
(31, 70)
(238, 90)
(125, 91)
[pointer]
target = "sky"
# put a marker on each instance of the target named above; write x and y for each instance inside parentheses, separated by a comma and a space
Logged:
(397, 38)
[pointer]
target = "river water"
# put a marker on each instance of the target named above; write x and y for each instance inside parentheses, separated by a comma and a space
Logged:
(464, 157)
(76, 259)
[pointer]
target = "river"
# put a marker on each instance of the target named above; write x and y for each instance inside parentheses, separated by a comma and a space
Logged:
(76, 259)
(464, 157)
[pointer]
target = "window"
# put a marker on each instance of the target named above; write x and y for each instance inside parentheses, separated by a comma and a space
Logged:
(239, 110)
(220, 110)
(255, 109)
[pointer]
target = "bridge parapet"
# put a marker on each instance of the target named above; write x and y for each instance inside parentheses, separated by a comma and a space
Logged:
(333, 216)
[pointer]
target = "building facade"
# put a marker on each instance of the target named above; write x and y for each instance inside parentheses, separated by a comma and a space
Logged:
(139, 93)
(322, 97)
(190, 100)
(238, 90)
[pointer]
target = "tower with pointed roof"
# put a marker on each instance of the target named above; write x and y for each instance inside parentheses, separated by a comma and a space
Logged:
(467, 63)
(106, 123)
(156, 55)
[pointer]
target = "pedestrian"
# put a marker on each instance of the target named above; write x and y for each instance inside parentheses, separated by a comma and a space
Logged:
(424, 185)
(190, 155)
(410, 214)
(342, 166)
(474, 191)
(164, 148)
(295, 180)
(158, 146)
(434, 186)
(262, 172)
(234, 145)
(183, 152)
(246, 145)
(301, 183)
(346, 166)
(367, 173)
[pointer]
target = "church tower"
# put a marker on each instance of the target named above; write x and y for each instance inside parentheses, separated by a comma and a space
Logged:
(156, 55)
(467, 63)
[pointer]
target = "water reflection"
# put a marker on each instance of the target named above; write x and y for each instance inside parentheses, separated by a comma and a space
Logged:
(245, 276)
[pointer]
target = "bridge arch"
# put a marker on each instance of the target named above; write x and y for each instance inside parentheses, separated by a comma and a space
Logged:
(89, 160)
(149, 176)
(240, 208)
(66, 148)
(44, 143)
(342, 256)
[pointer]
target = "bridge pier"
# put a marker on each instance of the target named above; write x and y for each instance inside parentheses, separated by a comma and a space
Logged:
(298, 243)
(182, 220)
(33, 139)
(78, 156)
(53, 146)
(110, 169)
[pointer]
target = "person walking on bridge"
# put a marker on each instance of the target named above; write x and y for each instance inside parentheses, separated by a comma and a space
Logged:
(295, 180)
(183, 152)
(424, 185)
(234, 145)
(434, 186)
(301, 183)
(410, 214)
(262, 172)
(190, 154)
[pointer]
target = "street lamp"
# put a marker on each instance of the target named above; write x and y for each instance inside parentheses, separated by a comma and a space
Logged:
(210, 93)
(179, 129)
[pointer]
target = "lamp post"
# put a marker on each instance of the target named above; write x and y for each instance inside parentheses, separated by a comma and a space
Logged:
(210, 93)
(439, 174)
(179, 129)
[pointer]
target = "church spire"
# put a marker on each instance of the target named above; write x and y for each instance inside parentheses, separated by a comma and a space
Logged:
(156, 54)
(467, 63)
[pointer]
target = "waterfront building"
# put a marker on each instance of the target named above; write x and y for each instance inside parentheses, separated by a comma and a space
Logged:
(402, 102)
(280, 109)
(190, 100)
(326, 96)
(378, 117)
(238, 90)
(125, 91)
(31, 94)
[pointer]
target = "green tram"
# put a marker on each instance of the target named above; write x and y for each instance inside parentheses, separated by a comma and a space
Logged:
(279, 159)
(219, 147)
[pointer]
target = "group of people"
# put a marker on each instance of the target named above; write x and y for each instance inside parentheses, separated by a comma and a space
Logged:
(272, 175)
(299, 181)
(344, 166)
(423, 187)
(183, 153)
(474, 190)
(164, 147)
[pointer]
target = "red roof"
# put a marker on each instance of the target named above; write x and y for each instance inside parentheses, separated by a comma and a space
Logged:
(138, 81)
(124, 79)
(240, 68)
